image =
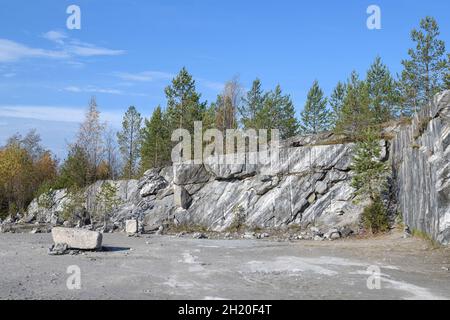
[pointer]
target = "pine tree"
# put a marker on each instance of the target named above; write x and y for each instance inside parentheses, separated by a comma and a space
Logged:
(74, 171)
(277, 112)
(183, 102)
(370, 171)
(155, 150)
(425, 72)
(106, 201)
(355, 115)
(407, 91)
(447, 76)
(129, 140)
(382, 94)
(251, 106)
(337, 101)
(370, 179)
(315, 117)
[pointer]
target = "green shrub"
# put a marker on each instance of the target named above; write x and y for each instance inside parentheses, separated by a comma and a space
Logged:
(238, 223)
(45, 200)
(106, 201)
(185, 227)
(374, 217)
(75, 203)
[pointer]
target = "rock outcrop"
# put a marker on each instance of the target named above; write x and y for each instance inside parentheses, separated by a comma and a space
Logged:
(309, 185)
(421, 168)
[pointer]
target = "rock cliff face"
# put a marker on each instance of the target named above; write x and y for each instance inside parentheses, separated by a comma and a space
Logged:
(421, 169)
(310, 185)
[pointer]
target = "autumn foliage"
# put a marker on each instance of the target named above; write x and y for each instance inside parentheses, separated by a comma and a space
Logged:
(22, 173)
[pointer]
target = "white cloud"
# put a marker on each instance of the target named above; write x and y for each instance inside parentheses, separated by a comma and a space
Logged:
(55, 113)
(211, 84)
(11, 51)
(73, 89)
(144, 76)
(90, 50)
(92, 89)
(68, 114)
(9, 75)
(55, 36)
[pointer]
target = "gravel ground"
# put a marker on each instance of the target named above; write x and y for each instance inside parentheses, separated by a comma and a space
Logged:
(167, 267)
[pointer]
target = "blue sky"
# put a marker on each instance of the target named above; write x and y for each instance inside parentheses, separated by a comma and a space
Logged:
(127, 51)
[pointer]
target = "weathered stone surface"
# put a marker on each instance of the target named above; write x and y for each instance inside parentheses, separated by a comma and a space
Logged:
(189, 173)
(77, 238)
(421, 170)
(153, 186)
(131, 226)
(321, 187)
(269, 195)
(182, 198)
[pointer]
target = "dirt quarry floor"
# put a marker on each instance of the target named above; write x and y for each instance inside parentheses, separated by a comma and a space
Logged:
(165, 267)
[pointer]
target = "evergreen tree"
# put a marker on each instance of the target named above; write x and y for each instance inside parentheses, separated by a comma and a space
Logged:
(425, 71)
(407, 90)
(370, 171)
(106, 201)
(315, 117)
(155, 151)
(447, 76)
(129, 140)
(251, 106)
(183, 102)
(209, 117)
(355, 115)
(278, 112)
(270, 110)
(337, 101)
(370, 179)
(74, 171)
(382, 92)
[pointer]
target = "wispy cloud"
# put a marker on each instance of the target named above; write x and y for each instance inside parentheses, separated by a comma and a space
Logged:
(145, 76)
(55, 36)
(149, 76)
(68, 114)
(92, 89)
(89, 50)
(11, 51)
(55, 113)
(218, 86)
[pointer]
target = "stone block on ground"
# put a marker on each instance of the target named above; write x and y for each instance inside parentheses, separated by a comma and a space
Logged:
(131, 226)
